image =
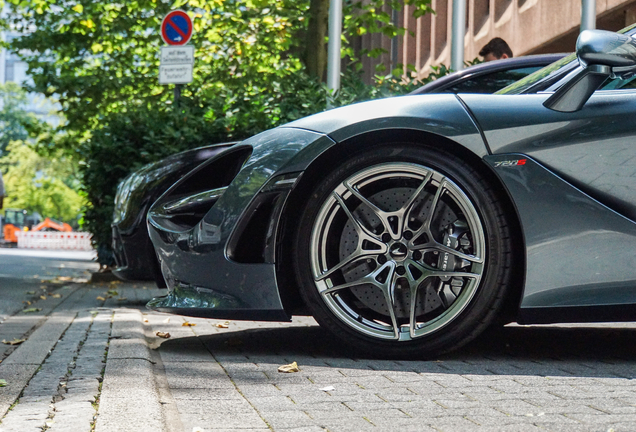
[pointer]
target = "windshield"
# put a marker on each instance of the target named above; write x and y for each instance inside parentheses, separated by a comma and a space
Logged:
(557, 70)
(527, 82)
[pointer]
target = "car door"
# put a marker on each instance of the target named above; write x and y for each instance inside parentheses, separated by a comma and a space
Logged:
(574, 193)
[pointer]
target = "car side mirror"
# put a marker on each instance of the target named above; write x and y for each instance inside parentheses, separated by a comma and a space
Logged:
(601, 54)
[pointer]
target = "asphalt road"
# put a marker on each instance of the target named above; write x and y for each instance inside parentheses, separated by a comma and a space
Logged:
(23, 271)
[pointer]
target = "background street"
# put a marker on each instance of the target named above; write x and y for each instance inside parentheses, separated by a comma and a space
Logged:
(92, 359)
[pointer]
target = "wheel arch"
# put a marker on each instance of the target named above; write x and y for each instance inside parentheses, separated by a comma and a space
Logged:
(287, 283)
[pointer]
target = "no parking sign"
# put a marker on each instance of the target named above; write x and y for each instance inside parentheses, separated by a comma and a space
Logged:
(177, 60)
(176, 28)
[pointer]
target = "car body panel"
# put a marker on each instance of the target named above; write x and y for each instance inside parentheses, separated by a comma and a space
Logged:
(133, 250)
(571, 261)
(593, 148)
(442, 115)
(231, 289)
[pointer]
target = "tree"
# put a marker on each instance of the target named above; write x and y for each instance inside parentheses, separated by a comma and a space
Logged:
(37, 183)
(15, 122)
(254, 70)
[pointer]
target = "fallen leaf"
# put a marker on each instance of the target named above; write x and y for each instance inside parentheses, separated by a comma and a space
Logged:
(146, 320)
(112, 292)
(188, 324)
(32, 310)
(3, 383)
(43, 297)
(222, 325)
(167, 320)
(292, 367)
(163, 335)
(15, 341)
(122, 298)
(31, 292)
(328, 388)
(27, 302)
(100, 298)
(56, 295)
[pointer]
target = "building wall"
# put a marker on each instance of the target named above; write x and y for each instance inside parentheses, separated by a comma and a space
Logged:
(529, 27)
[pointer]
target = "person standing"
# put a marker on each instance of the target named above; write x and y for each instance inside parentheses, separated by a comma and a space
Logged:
(496, 49)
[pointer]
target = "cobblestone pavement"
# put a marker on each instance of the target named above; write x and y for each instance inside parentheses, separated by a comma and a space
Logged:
(212, 375)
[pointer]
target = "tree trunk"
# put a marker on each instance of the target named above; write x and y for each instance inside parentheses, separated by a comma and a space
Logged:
(315, 49)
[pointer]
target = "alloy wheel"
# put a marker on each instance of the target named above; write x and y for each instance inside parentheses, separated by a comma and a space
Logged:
(397, 251)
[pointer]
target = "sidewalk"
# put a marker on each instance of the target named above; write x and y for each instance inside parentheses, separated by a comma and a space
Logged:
(92, 360)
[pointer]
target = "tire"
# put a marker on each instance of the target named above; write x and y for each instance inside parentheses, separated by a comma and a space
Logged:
(387, 275)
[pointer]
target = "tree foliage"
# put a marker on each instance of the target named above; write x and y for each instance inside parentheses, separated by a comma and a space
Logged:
(40, 184)
(15, 122)
(101, 61)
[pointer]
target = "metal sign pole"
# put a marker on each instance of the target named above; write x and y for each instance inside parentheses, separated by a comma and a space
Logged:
(458, 31)
(588, 14)
(177, 94)
(333, 48)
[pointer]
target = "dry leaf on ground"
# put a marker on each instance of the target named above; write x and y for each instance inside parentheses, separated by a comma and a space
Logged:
(56, 295)
(223, 325)
(15, 341)
(3, 383)
(32, 310)
(165, 335)
(100, 298)
(28, 303)
(292, 367)
(145, 319)
(43, 297)
(188, 324)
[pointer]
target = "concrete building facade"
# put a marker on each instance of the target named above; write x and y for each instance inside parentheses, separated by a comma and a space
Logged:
(529, 27)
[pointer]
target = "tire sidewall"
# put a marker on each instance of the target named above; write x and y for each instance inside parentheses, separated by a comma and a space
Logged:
(470, 321)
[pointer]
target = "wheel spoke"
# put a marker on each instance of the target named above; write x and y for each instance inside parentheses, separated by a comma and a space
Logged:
(389, 295)
(408, 207)
(350, 259)
(358, 225)
(379, 213)
(436, 198)
(438, 247)
(387, 287)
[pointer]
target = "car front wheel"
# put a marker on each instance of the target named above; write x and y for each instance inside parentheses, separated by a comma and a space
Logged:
(403, 250)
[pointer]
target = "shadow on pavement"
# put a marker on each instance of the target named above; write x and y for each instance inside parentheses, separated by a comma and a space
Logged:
(538, 351)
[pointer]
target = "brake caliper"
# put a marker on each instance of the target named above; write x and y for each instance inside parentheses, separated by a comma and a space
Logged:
(456, 237)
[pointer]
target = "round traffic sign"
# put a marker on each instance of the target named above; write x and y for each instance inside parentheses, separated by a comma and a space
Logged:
(176, 28)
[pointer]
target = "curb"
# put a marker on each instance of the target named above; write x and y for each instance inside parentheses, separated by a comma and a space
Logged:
(129, 399)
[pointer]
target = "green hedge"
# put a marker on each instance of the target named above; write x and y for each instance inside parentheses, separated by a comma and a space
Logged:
(141, 134)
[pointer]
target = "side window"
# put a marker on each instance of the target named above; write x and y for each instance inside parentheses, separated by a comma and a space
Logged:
(492, 82)
(620, 84)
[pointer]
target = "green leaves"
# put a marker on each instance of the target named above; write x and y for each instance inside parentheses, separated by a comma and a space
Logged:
(101, 60)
